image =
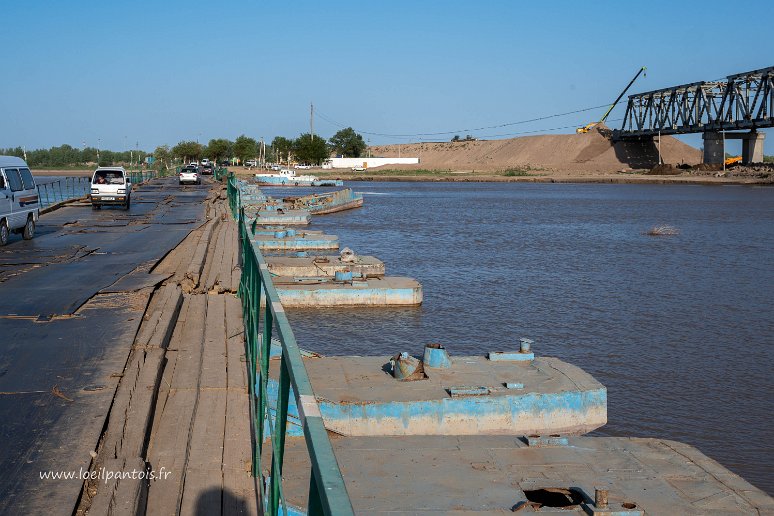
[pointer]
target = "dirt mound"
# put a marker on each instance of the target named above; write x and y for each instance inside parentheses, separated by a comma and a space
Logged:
(593, 151)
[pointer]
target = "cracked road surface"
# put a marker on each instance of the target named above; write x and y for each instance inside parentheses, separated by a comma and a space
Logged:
(71, 301)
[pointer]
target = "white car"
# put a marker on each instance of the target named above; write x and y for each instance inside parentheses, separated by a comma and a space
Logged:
(358, 169)
(189, 175)
(303, 167)
(110, 187)
(19, 203)
(251, 163)
(205, 161)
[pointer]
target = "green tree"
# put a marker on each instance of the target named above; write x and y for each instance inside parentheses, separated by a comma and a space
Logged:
(348, 143)
(163, 157)
(282, 148)
(245, 148)
(218, 149)
(310, 150)
(187, 151)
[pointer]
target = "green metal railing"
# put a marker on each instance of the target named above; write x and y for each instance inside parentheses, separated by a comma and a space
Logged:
(327, 492)
(220, 173)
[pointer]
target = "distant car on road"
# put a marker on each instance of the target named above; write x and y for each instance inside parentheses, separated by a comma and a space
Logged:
(304, 167)
(110, 187)
(189, 174)
(251, 163)
(205, 162)
(207, 169)
(19, 202)
(358, 169)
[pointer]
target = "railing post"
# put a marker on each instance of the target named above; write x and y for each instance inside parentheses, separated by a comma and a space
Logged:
(280, 427)
(314, 504)
(263, 356)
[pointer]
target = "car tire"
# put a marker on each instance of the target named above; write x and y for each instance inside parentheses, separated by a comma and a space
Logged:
(29, 229)
(4, 233)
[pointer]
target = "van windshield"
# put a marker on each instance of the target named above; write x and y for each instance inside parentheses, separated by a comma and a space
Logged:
(108, 177)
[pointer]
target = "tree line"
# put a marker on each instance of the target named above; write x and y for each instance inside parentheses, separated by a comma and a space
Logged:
(306, 148)
(66, 155)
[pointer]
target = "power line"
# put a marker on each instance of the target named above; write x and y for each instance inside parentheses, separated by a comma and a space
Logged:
(536, 131)
(441, 133)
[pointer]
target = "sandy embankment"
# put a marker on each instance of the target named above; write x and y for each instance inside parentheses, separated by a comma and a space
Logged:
(593, 153)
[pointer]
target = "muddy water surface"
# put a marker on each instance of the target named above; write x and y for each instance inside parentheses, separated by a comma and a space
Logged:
(678, 328)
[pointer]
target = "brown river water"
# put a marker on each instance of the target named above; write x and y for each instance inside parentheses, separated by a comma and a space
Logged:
(679, 328)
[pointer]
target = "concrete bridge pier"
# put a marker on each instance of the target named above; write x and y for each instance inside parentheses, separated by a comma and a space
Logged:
(752, 146)
(714, 152)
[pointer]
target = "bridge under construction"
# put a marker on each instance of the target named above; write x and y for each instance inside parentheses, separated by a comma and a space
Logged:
(734, 108)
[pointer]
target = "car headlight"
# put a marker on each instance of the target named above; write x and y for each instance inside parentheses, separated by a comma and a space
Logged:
(95, 190)
(121, 190)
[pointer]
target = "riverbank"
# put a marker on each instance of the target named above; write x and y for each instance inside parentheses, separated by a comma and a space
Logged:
(527, 176)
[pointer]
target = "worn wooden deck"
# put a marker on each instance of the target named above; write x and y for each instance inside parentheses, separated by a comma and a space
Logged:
(181, 410)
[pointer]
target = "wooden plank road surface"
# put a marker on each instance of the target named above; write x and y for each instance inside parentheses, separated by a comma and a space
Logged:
(182, 408)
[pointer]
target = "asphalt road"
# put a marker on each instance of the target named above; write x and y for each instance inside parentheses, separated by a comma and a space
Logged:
(71, 301)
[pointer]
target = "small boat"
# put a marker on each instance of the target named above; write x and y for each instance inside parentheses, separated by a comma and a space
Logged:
(288, 177)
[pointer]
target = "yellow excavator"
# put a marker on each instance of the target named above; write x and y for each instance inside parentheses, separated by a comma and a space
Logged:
(733, 159)
(588, 127)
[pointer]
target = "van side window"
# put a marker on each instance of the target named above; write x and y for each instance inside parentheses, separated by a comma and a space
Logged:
(14, 179)
(26, 175)
(2, 182)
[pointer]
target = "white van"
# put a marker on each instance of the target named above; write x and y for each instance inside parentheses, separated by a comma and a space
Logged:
(110, 187)
(19, 202)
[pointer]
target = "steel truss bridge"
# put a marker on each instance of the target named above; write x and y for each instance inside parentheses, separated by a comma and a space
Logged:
(744, 101)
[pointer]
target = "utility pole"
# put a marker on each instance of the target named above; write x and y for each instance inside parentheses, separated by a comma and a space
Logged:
(311, 121)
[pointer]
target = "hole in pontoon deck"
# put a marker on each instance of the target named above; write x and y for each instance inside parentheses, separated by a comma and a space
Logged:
(555, 497)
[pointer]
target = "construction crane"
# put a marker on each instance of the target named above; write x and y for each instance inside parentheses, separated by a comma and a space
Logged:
(588, 127)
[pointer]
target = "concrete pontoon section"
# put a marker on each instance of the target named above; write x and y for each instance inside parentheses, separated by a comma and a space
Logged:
(358, 396)
(307, 266)
(387, 291)
(500, 474)
(300, 241)
(270, 230)
(280, 216)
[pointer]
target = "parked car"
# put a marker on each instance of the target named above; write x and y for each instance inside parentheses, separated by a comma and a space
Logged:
(110, 187)
(189, 174)
(19, 202)
(303, 167)
(224, 163)
(251, 163)
(358, 169)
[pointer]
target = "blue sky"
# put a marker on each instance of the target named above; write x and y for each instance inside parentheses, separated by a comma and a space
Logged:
(152, 73)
